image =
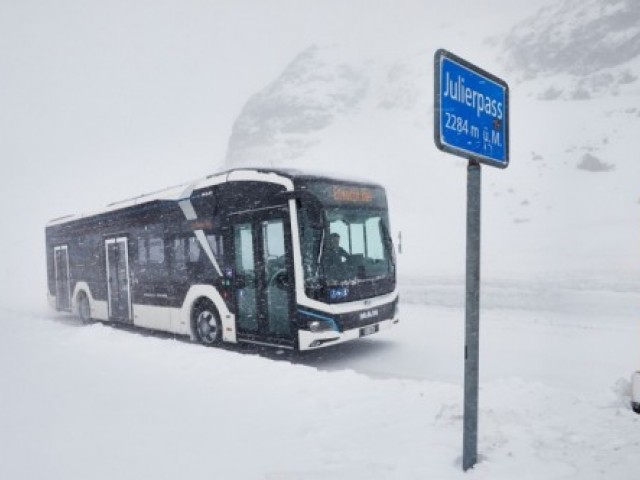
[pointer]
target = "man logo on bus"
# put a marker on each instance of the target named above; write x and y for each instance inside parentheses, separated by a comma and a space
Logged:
(368, 314)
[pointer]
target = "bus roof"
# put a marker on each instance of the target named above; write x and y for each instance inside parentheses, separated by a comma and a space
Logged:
(285, 177)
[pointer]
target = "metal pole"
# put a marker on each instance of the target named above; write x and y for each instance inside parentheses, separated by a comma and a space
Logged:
(472, 318)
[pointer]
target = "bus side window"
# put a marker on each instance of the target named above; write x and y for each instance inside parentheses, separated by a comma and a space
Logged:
(215, 242)
(193, 250)
(141, 258)
(179, 255)
(187, 257)
(156, 250)
(198, 265)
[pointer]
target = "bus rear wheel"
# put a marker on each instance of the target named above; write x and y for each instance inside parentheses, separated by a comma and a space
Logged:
(205, 324)
(84, 309)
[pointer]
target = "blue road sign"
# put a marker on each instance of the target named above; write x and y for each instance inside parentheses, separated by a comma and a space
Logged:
(471, 111)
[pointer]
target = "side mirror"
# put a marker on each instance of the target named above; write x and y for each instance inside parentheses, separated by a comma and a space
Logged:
(635, 392)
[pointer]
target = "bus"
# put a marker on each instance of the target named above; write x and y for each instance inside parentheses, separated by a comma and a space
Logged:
(238, 256)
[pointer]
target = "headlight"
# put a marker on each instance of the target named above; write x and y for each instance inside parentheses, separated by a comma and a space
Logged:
(321, 325)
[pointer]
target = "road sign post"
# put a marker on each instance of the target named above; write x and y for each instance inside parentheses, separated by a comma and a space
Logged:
(472, 319)
(471, 112)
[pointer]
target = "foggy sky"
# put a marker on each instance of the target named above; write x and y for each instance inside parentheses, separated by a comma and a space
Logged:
(101, 101)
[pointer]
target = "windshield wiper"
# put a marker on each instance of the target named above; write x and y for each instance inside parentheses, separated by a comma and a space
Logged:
(319, 259)
(389, 242)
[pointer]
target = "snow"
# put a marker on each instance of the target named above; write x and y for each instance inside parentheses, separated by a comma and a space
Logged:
(343, 88)
(103, 402)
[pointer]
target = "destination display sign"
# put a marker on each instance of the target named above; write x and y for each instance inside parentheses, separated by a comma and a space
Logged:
(334, 194)
(471, 111)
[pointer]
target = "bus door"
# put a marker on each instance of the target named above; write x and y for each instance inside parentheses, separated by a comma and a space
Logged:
(118, 283)
(61, 268)
(263, 275)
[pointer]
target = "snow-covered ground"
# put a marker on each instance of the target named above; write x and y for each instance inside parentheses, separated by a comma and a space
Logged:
(102, 402)
(104, 101)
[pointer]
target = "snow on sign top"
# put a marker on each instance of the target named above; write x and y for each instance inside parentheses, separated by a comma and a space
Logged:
(471, 111)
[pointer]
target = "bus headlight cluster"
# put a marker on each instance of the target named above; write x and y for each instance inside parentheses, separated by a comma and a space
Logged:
(320, 326)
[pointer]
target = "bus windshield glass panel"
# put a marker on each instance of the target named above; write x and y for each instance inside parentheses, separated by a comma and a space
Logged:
(356, 246)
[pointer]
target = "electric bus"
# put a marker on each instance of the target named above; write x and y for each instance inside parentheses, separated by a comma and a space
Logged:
(239, 256)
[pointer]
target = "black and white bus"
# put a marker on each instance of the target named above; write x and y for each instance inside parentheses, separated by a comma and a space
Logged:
(240, 256)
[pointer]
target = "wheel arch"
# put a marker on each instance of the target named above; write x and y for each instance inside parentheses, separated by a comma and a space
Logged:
(98, 308)
(80, 289)
(199, 293)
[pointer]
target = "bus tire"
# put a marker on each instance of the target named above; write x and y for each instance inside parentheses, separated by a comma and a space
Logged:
(84, 308)
(205, 323)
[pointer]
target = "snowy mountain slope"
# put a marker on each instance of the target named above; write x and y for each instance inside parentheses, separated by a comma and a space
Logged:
(306, 98)
(568, 203)
(322, 87)
(593, 40)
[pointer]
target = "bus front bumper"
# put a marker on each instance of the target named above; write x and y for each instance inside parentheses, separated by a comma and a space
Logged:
(308, 340)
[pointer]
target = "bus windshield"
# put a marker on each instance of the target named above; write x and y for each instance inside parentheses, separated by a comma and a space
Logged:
(354, 245)
(357, 246)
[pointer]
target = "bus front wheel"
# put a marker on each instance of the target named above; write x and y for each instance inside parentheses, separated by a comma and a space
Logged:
(205, 324)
